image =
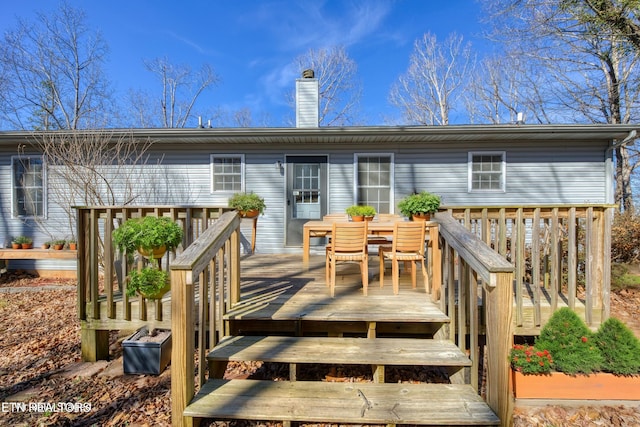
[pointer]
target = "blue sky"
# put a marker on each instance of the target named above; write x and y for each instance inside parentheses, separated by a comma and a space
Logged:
(251, 44)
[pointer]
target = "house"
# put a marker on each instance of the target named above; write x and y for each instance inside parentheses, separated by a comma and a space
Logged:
(308, 171)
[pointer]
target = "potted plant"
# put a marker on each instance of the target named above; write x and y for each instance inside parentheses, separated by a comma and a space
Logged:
(152, 236)
(46, 245)
(149, 282)
(419, 205)
(568, 361)
(249, 205)
(73, 244)
(23, 241)
(361, 212)
(58, 244)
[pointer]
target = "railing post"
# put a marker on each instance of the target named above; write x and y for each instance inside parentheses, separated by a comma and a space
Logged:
(499, 314)
(234, 285)
(183, 346)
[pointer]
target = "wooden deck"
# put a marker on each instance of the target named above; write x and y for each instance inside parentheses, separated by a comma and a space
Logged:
(280, 298)
(279, 289)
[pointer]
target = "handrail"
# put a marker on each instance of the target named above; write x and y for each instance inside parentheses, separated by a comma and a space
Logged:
(102, 299)
(212, 265)
(561, 254)
(473, 262)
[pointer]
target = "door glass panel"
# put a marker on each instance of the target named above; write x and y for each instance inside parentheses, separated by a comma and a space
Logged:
(306, 191)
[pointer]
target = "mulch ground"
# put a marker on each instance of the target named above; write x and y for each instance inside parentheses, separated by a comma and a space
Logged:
(44, 383)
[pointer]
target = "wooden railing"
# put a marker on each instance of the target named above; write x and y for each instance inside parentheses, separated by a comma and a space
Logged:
(102, 301)
(561, 254)
(469, 264)
(205, 283)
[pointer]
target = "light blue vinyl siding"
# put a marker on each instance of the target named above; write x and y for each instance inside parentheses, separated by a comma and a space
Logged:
(538, 172)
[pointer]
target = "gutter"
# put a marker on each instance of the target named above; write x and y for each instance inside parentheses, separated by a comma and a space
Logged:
(629, 138)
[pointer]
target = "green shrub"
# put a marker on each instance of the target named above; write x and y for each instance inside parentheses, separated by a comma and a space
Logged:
(622, 278)
(619, 347)
(570, 343)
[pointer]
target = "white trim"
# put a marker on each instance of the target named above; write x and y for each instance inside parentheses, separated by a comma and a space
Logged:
(391, 156)
(503, 171)
(242, 172)
(44, 186)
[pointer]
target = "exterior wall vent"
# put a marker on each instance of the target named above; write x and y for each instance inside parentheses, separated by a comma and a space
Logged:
(307, 100)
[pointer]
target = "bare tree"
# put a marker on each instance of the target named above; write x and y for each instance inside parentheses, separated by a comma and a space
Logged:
(433, 83)
(590, 73)
(340, 87)
(180, 89)
(103, 168)
(495, 88)
(52, 73)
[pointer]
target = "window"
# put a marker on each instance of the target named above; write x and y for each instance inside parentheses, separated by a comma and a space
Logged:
(27, 176)
(374, 181)
(487, 171)
(227, 173)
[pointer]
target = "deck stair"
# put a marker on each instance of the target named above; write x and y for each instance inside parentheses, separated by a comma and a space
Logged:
(374, 402)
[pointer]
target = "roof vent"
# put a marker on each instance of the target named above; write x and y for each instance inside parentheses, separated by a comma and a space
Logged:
(308, 74)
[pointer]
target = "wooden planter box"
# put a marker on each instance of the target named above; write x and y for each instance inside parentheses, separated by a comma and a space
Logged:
(146, 356)
(600, 386)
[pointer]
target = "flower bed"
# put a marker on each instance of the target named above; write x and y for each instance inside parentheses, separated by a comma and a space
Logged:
(568, 361)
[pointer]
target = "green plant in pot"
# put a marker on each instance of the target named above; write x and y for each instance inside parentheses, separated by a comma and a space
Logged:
(419, 205)
(24, 242)
(149, 282)
(248, 204)
(151, 236)
(357, 212)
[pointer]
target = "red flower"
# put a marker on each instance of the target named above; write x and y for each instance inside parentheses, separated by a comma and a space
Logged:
(584, 339)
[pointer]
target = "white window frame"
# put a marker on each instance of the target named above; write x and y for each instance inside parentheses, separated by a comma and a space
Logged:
(356, 158)
(503, 171)
(15, 185)
(212, 174)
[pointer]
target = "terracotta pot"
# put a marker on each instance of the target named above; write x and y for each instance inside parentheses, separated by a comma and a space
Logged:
(421, 217)
(27, 245)
(156, 252)
(73, 246)
(58, 247)
(357, 218)
(557, 385)
(45, 246)
(368, 218)
(250, 214)
(16, 246)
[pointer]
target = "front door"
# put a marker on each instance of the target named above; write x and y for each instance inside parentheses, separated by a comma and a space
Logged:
(306, 194)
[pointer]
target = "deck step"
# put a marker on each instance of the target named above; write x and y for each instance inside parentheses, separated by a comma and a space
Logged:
(339, 402)
(355, 351)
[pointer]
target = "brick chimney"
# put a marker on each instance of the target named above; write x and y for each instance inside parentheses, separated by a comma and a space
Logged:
(307, 100)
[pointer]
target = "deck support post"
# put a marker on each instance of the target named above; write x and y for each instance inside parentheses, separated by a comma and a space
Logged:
(94, 345)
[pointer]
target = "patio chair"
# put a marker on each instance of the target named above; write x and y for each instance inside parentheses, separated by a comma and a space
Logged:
(348, 243)
(408, 246)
